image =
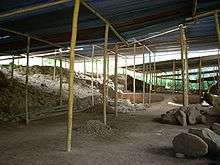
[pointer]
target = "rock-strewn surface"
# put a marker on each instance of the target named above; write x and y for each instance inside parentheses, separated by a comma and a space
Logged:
(193, 114)
(43, 93)
(210, 137)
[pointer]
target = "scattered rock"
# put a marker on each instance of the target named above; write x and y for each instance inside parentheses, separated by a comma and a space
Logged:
(210, 137)
(181, 117)
(192, 115)
(216, 128)
(201, 119)
(96, 127)
(169, 118)
(190, 145)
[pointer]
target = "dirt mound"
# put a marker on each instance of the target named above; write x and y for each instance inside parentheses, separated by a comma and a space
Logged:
(96, 127)
(43, 95)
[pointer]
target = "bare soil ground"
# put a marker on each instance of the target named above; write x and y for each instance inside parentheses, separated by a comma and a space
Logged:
(136, 139)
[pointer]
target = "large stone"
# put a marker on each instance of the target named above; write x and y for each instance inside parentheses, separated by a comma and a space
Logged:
(210, 137)
(201, 119)
(181, 117)
(190, 145)
(169, 119)
(192, 115)
(216, 128)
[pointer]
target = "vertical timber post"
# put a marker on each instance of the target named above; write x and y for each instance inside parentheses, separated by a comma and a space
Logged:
(174, 76)
(71, 74)
(12, 66)
(92, 82)
(26, 83)
(55, 65)
(134, 85)
(144, 76)
(184, 65)
(61, 77)
(217, 27)
(104, 73)
(126, 75)
(116, 80)
(107, 75)
(200, 76)
(218, 35)
(150, 80)
(218, 66)
(84, 65)
(96, 64)
(154, 74)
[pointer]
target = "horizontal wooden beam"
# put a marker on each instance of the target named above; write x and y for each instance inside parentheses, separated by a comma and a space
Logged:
(94, 11)
(30, 9)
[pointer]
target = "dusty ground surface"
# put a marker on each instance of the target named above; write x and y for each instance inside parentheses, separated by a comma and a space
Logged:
(137, 138)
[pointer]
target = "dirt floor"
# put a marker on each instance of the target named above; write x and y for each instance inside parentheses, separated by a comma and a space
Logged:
(136, 138)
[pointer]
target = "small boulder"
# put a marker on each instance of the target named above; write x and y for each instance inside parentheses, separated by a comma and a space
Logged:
(216, 128)
(169, 118)
(210, 137)
(181, 117)
(190, 145)
(201, 119)
(192, 115)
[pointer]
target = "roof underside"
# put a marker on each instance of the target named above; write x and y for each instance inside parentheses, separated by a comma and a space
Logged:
(132, 19)
(167, 66)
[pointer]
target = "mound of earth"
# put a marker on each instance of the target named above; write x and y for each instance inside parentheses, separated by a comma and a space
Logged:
(96, 127)
(43, 95)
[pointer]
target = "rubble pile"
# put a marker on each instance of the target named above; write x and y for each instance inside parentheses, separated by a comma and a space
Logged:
(125, 106)
(192, 114)
(198, 142)
(95, 127)
(43, 94)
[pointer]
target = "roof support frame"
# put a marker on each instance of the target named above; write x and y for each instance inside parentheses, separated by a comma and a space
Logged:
(94, 11)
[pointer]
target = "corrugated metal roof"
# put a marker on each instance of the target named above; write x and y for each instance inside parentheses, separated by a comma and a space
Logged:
(132, 19)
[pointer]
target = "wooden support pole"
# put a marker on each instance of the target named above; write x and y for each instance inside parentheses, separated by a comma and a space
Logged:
(200, 76)
(107, 81)
(104, 73)
(184, 65)
(134, 78)
(54, 68)
(92, 82)
(144, 76)
(218, 65)
(217, 25)
(71, 74)
(26, 83)
(150, 81)
(154, 72)
(174, 77)
(126, 74)
(12, 67)
(116, 81)
(42, 61)
(84, 65)
(218, 36)
(94, 11)
(61, 79)
(97, 72)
